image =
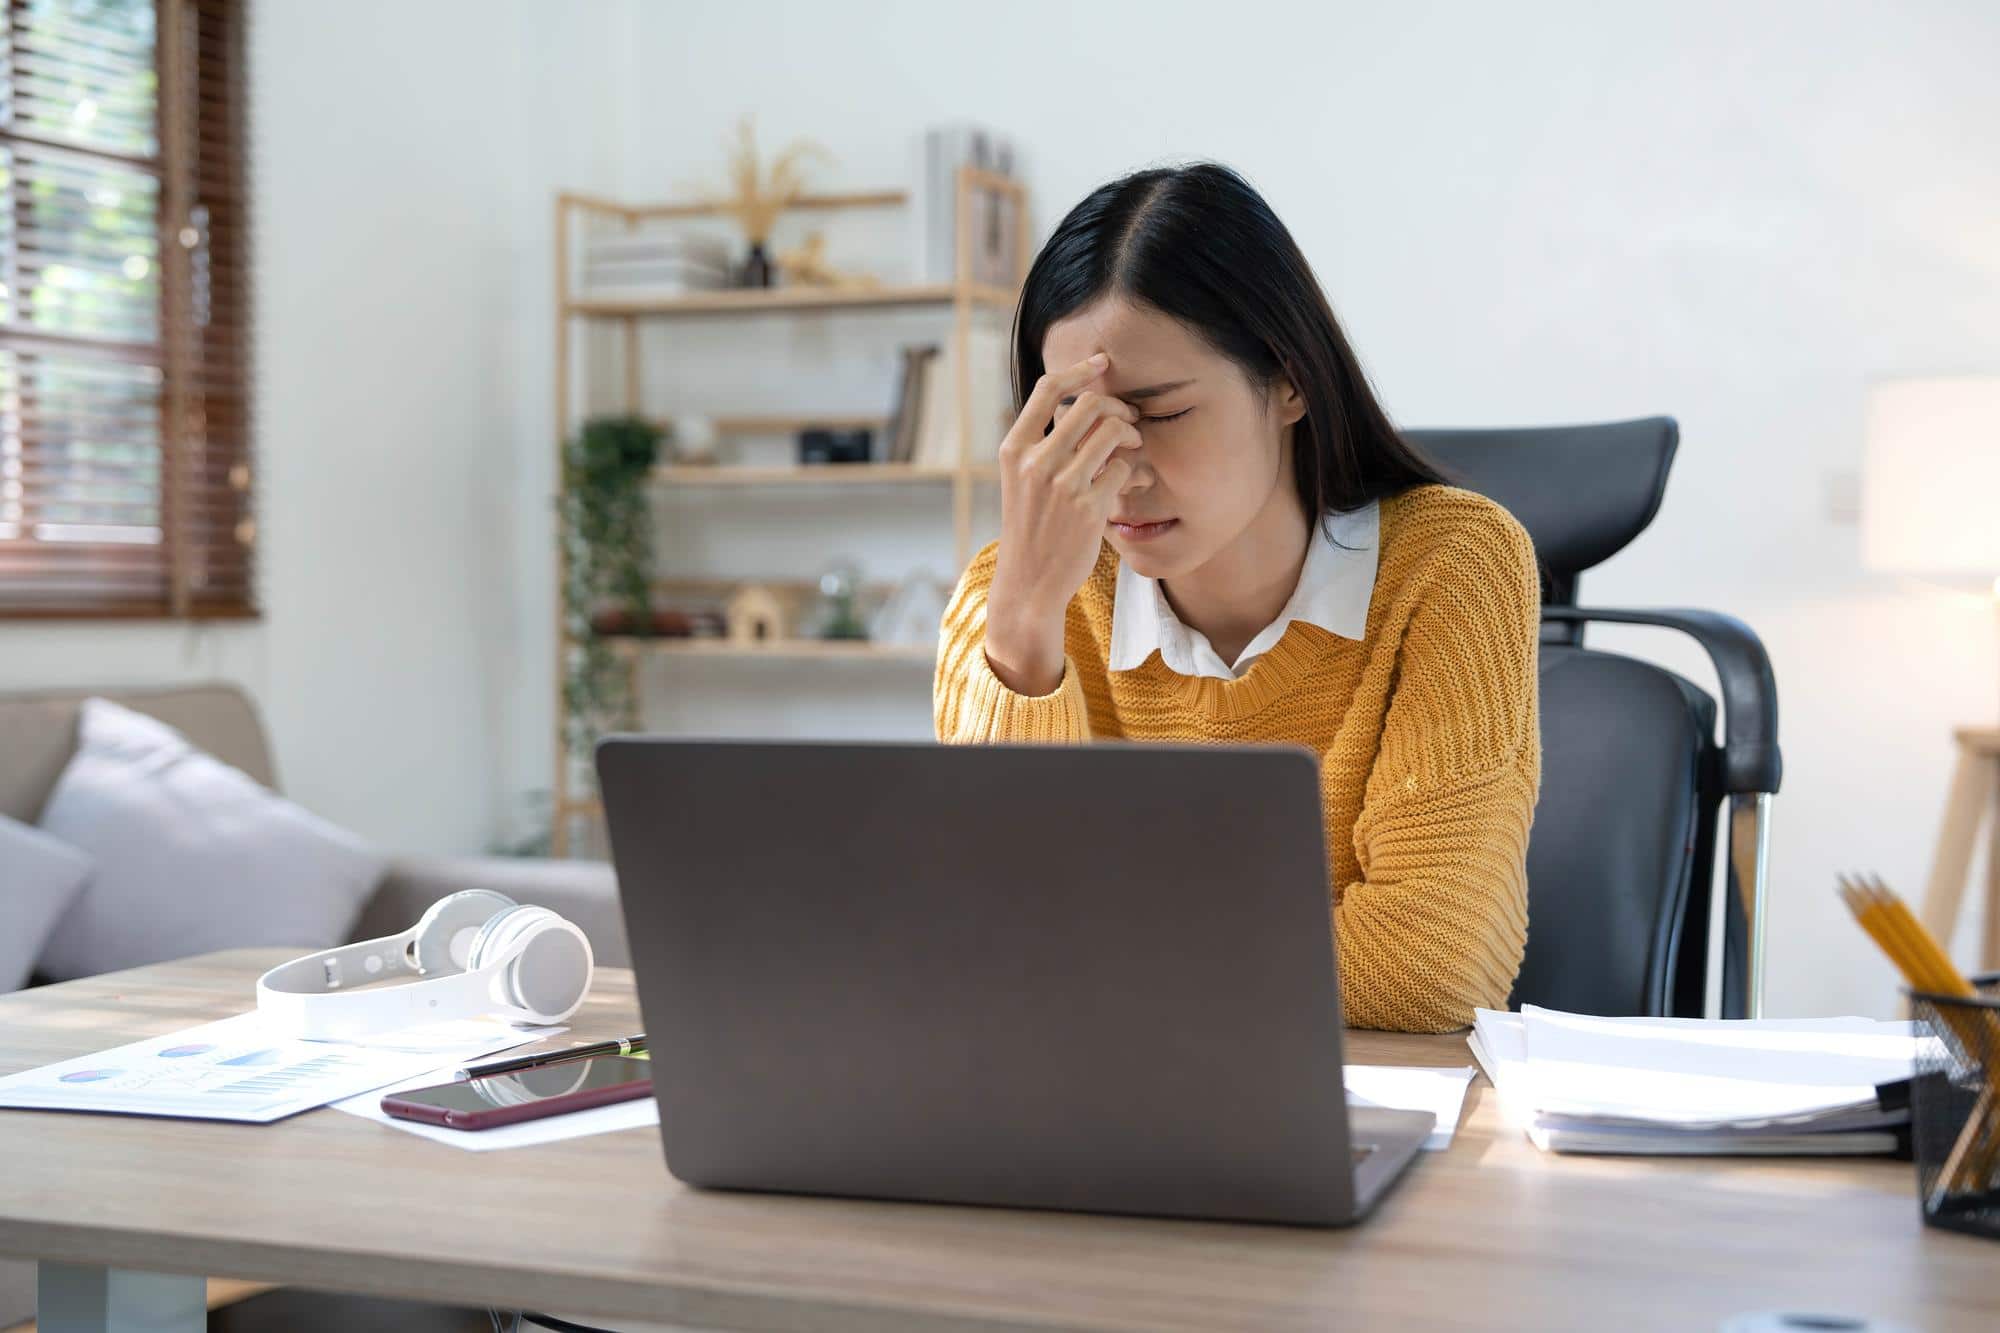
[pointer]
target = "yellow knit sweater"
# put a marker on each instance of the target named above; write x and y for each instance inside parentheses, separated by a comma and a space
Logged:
(1429, 745)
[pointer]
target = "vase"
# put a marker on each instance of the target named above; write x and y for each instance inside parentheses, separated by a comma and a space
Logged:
(757, 267)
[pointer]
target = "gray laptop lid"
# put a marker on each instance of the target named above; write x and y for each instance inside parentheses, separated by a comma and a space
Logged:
(1094, 977)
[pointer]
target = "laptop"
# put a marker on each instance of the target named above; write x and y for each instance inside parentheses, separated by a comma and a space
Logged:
(1097, 978)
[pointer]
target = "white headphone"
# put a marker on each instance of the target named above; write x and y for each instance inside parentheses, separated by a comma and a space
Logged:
(482, 952)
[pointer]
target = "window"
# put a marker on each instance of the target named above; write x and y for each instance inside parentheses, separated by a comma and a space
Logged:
(125, 461)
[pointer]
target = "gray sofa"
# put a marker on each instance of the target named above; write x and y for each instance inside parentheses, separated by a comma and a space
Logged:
(38, 735)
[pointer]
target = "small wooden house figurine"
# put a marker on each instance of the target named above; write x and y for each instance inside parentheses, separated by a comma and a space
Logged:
(755, 614)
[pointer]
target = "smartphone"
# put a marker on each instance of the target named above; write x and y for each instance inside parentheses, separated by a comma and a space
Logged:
(526, 1094)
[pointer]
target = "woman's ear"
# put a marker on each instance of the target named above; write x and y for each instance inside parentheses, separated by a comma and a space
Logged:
(1288, 401)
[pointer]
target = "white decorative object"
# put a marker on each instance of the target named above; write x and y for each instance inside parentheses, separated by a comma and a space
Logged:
(694, 438)
(914, 611)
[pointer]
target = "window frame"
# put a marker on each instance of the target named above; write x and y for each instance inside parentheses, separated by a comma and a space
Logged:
(187, 92)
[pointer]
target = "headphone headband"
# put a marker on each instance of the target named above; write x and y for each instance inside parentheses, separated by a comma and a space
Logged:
(313, 997)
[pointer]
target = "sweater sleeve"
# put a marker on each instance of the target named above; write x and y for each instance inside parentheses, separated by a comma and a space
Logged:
(969, 704)
(1438, 923)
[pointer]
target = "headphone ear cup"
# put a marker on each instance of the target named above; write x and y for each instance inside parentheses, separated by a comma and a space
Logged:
(552, 974)
(455, 917)
(484, 945)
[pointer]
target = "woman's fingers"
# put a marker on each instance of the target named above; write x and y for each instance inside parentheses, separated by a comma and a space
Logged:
(1050, 388)
(1031, 435)
(1080, 422)
(1096, 449)
(1051, 514)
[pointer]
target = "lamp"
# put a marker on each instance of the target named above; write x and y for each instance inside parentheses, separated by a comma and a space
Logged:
(1930, 505)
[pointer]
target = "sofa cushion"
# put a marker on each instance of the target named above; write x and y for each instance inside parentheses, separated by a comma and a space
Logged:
(191, 855)
(38, 735)
(40, 876)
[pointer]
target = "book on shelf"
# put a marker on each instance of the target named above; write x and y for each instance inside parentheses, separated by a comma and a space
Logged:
(899, 437)
(653, 264)
(931, 447)
(643, 247)
(937, 417)
(652, 270)
(995, 222)
(992, 391)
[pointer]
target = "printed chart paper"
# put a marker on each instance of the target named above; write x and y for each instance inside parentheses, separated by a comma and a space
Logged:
(236, 1069)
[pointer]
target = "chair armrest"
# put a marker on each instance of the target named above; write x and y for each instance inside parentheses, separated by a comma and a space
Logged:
(584, 892)
(1750, 758)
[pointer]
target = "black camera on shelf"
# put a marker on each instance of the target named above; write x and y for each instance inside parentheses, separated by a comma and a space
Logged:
(820, 445)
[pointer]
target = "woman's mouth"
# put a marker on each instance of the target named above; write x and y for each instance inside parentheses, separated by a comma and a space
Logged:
(1141, 532)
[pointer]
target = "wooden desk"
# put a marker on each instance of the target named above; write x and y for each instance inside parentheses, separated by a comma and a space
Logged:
(1489, 1234)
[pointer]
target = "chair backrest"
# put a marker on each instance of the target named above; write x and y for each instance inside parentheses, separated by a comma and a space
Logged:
(1582, 492)
(1611, 858)
(38, 734)
(1619, 861)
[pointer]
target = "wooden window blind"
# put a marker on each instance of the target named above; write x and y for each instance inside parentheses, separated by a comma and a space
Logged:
(125, 445)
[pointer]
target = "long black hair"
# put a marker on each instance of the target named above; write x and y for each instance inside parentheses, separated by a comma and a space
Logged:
(1197, 243)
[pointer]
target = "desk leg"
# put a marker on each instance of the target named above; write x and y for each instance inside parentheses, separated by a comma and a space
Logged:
(84, 1298)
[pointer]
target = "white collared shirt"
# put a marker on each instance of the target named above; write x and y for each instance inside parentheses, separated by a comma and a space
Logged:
(1335, 585)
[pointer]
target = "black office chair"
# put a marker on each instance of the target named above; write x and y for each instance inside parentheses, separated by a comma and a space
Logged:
(1621, 858)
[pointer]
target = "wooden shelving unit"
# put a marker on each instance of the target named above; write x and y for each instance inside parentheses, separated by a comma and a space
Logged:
(839, 650)
(962, 299)
(831, 474)
(768, 425)
(747, 300)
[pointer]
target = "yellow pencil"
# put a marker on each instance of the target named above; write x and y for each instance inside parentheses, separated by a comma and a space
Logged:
(1924, 963)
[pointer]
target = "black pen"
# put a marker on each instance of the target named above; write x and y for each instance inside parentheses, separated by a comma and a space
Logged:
(619, 1046)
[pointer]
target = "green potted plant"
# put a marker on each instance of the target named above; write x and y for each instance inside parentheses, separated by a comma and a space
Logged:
(607, 539)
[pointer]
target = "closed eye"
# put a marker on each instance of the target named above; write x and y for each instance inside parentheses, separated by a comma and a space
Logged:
(1171, 416)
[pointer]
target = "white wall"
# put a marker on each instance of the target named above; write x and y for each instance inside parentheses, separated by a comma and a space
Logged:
(404, 159)
(1539, 213)
(1552, 212)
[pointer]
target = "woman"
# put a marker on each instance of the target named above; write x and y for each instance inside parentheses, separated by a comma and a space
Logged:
(1223, 539)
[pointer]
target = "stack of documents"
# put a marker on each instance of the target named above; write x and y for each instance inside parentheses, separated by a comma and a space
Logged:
(1576, 1083)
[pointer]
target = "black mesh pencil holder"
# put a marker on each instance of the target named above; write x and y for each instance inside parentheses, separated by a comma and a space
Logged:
(1955, 1107)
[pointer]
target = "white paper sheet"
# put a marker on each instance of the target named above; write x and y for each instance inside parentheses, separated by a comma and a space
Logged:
(237, 1069)
(1710, 1143)
(1681, 1085)
(1699, 1074)
(1499, 1042)
(522, 1134)
(1439, 1091)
